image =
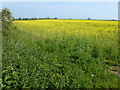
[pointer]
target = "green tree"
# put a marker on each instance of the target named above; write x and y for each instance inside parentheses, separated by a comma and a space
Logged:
(6, 18)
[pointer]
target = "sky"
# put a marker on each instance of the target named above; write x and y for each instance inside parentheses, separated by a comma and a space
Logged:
(63, 10)
(59, 0)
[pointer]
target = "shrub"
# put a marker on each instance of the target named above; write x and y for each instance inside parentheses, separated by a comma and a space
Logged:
(6, 18)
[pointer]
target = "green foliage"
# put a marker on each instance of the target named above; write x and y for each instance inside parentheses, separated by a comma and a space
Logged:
(6, 18)
(31, 61)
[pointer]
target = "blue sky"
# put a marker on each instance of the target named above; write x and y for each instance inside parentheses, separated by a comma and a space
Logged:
(75, 10)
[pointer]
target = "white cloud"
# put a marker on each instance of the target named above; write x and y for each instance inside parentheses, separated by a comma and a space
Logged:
(59, 0)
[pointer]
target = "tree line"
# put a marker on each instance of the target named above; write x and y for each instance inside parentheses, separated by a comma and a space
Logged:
(32, 18)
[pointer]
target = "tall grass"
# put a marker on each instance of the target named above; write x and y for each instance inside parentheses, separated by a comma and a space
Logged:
(61, 54)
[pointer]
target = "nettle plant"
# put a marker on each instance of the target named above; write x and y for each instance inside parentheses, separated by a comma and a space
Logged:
(6, 18)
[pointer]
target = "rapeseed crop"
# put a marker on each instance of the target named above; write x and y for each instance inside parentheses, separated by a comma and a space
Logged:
(61, 54)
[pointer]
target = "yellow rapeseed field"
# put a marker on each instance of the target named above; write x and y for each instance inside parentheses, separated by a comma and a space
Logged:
(61, 54)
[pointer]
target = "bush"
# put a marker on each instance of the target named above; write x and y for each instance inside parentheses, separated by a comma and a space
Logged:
(6, 18)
